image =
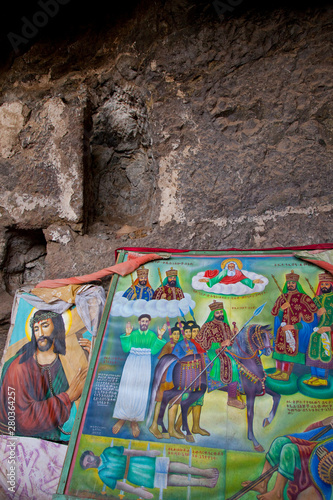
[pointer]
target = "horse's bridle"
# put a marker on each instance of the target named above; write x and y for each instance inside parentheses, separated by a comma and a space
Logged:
(256, 338)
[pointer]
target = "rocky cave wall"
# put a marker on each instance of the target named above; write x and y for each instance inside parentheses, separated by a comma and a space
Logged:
(173, 127)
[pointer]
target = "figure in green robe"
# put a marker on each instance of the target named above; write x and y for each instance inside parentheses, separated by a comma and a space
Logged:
(133, 393)
(319, 353)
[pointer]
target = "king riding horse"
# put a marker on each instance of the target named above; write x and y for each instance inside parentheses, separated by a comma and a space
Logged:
(188, 373)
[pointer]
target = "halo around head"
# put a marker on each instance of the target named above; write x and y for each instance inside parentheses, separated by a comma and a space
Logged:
(237, 261)
(66, 316)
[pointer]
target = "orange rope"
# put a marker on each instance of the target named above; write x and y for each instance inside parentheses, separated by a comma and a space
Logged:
(240, 357)
(134, 261)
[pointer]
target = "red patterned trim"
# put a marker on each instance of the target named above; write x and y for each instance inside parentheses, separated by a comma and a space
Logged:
(320, 246)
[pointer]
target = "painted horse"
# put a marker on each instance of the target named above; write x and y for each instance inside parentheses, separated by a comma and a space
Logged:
(246, 350)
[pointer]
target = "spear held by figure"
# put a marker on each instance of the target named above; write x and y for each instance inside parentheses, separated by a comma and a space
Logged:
(283, 294)
(159, 273)
(182, 314)
(134, 290)
(192, 313)
(311, 287)
(256, 313)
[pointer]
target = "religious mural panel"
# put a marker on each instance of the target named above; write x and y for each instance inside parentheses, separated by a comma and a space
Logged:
(211, 376)
(46, 358)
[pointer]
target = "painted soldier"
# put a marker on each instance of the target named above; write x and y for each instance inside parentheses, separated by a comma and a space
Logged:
(319, 353)
(170, 288)
(166, 383)
(213, 335)
(295, 319)
(141, 288)
(185, 345)
(293, 455)
(195, 407)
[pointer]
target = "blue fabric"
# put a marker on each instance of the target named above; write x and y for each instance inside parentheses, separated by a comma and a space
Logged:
(319, 372)
(310, 434)
(144, 293)
(68, 425)
(304, 333)
(141, 469)
(113, 466)
(180, 350)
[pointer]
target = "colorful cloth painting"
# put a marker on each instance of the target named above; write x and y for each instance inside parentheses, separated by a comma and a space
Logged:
(211, 376)
(46, 359)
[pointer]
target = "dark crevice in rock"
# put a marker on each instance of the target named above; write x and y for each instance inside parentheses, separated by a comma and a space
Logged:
(24, 260)
(122, 162)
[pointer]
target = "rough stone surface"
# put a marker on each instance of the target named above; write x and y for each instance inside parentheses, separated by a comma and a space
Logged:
(24, 259)
(169, 126)
(41, 162)
(124, 172)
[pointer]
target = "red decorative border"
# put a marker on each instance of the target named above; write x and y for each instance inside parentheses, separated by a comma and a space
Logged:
(320, 246)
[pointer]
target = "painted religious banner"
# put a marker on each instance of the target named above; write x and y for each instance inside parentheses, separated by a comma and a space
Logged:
(45, 361)
(211, 376)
